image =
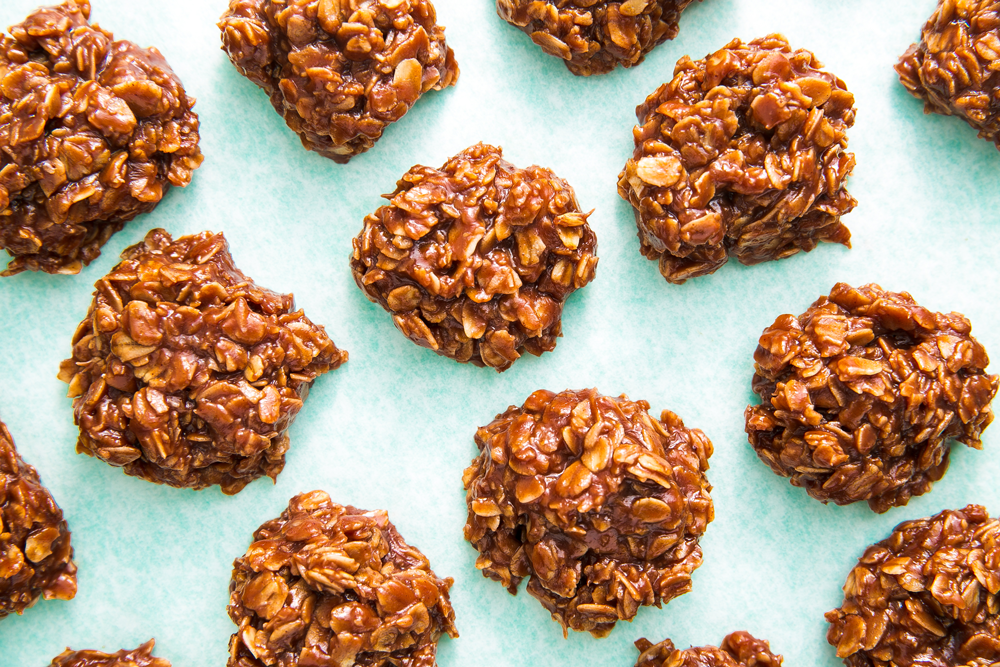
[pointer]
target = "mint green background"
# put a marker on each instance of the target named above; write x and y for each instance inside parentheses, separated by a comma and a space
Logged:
(393, 428)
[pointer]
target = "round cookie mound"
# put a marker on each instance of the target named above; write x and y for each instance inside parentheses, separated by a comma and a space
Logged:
(742, 154)
(36, 558)
(329, 585)
(738, 649)
(140, 657)
(339, 71)
(185, 372)
(926, 596)
(955, 69)
(474, 260)
(595, 36)
(862, 393)
(599, 505)
(93, 132)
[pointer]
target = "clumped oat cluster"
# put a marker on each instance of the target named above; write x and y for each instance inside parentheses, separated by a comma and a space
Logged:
(330, 586)
(185, 372)
(955, 69)
(738, 649)
(595, 36)
(742, 154)
(599, 505)
(862, 394)
(93, 132)
(924, 597)
(339, 71)
(36, 558)
(474, 260)
(140, 657)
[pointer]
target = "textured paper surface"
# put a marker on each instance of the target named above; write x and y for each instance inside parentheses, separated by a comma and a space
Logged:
(393, 428)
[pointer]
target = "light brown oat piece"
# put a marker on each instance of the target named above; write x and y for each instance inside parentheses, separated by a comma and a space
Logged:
(862, 394)
(185, 372)
(327, 585)
(595, 36)
(742, 154)
(36, 558)
(339, 71)
(598, 504)
(93, 132)
(955, 69)
(475, 260)
(140, 657)
(926, 596)
(738, 649)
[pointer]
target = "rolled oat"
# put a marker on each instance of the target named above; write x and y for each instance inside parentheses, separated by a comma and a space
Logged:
(93, 132)
(327, 585)
(596, 503)
(185, 372)
(742, 154)
(339, 71)
(474, 260)
(595, 36)
(140, 657)
(862, 394)
(738, 649)
(924, 597)
(955, 69)
(36, 558)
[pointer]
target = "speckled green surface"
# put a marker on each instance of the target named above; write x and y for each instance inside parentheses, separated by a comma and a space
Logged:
(393, 428)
